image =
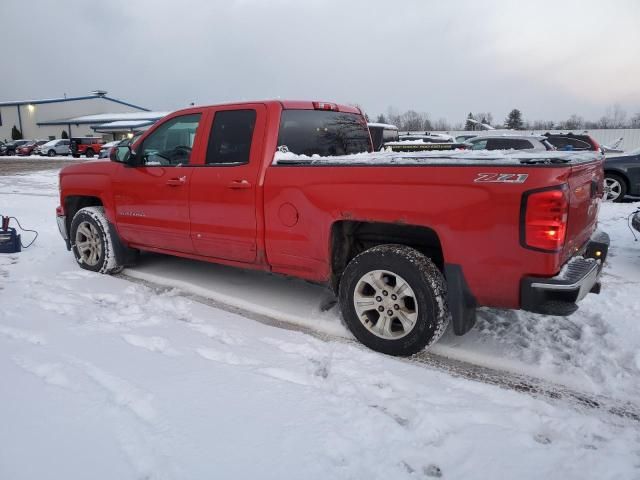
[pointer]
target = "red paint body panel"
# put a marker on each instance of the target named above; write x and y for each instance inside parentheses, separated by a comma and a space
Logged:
(282, 216)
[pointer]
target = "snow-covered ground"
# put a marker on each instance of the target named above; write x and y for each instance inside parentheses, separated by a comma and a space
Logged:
(104, 378)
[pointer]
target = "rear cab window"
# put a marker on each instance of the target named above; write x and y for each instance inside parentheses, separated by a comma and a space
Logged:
(324, 133)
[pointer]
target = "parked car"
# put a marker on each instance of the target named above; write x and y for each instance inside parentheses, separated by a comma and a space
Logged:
(106, 148)
(87, 146)
(426, 137)
(527, 143)
(11, 148)
(263, 190)
(382, 133)
(572, 142)
(29, 148)
(622, 176)
(55, 147)
(464, 137)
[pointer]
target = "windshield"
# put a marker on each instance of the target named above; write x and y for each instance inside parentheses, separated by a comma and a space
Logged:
(324, 133)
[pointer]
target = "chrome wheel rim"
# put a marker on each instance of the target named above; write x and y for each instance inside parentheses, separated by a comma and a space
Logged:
(88, 244)
(612, 189)
(386, 304)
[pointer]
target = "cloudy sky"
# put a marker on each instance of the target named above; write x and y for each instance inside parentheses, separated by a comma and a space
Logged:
(548, 58)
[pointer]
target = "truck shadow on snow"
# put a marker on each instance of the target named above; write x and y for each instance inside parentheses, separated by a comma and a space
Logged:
(582, 351)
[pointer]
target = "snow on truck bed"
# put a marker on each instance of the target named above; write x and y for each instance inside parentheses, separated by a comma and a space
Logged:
(448, 157)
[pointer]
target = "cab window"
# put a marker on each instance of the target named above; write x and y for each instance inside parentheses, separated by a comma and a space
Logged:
(171, 143)
(230, 139)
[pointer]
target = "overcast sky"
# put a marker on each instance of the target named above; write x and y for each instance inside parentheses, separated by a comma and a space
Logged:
(548, 58)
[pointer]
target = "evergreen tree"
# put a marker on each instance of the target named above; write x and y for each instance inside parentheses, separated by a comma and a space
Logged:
(514, 120)
(381, 119)
(469, 125)
(64, 135)
(16, 134)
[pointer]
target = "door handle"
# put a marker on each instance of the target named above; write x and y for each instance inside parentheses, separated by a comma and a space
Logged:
(239, 184)
(176, 182)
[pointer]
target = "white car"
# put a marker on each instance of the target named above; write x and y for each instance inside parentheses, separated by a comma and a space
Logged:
(55, 147)
(526, 143)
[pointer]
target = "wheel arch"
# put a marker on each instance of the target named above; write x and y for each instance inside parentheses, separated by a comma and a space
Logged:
(350, 237)
(620, 173)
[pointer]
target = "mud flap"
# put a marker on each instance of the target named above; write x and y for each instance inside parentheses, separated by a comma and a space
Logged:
(462, 303)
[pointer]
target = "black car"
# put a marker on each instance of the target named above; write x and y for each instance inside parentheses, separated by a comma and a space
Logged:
(10, 148)
(622, 176)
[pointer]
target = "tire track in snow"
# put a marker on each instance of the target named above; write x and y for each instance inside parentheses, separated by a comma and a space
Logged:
(507, 380)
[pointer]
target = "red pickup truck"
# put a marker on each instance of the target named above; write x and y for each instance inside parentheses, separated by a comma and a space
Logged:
(406, 245)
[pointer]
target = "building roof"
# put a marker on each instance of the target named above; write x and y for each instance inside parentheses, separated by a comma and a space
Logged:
(68, 99)
(102, 118)
(123, 125)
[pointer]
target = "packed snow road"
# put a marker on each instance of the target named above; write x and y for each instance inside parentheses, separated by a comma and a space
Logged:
(108, 378)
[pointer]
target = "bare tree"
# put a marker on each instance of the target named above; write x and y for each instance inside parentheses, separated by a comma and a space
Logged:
(441, 125)
(574, 122)
(411, 120)
(635, 121)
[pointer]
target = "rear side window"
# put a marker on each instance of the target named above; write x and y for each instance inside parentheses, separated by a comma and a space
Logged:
(230, 139)
(389, 135)
(564, 143)
(479, 145)
(324, 133)
(508, 144)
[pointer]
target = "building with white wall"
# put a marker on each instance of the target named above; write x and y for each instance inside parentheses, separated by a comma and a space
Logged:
(78, 116)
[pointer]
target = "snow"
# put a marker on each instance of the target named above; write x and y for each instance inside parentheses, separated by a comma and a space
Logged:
(382, 125)
(502, 157)
(109, 378)
(113, 117)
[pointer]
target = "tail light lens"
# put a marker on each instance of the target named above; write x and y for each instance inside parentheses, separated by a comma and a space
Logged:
(544, 219)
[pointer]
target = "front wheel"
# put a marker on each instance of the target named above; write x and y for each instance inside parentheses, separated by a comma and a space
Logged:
(89, 153)
(393, 299)
(91, 241)
(51, 153)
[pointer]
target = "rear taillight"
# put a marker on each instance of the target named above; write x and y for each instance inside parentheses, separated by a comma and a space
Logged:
(594, 144)
(325, 106)
(544, 215)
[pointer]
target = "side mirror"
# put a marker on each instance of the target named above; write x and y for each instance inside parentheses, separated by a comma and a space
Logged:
(122, 154)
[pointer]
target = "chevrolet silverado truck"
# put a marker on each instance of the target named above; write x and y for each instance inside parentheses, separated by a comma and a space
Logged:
(408, 243)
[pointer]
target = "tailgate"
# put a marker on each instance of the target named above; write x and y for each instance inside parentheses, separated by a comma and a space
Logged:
(585, 192)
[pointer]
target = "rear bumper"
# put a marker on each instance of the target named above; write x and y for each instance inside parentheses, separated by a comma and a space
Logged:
(579, 276)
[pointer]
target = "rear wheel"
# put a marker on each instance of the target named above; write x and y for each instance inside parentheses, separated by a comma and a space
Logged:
(393, 299)
(615, 188)
(51, 153)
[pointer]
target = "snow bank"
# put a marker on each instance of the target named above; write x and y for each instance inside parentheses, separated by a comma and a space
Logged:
(124, 381)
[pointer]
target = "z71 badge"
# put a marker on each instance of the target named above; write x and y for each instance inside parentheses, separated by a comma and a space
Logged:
(501, 178)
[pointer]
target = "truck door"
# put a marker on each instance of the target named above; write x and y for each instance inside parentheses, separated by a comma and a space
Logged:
(224, 189)
(152, 198)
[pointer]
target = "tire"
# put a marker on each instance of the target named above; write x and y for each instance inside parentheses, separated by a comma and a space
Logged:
(90, 228)
(51, 153)
(615, 187)
(374, 277)
(89, 153)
